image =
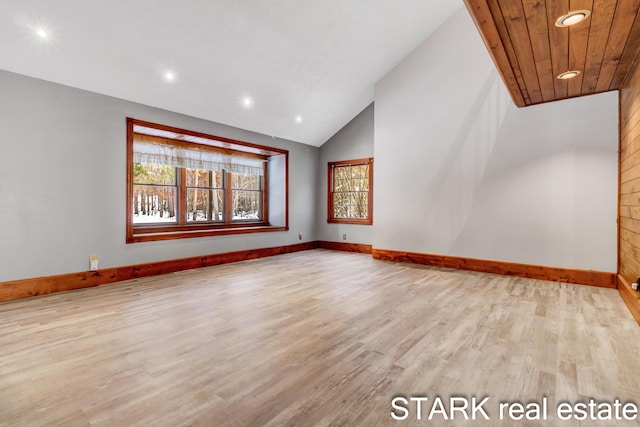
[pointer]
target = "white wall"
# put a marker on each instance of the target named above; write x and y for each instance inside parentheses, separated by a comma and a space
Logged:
(353, 141)
(63, 182)
(459, 170)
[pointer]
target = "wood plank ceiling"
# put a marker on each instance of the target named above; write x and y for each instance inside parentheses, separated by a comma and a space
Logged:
(530, 50)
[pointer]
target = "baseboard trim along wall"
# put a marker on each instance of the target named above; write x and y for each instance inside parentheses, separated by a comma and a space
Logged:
(17, 289)
(556, 274)
(630, 297)
(346, 247)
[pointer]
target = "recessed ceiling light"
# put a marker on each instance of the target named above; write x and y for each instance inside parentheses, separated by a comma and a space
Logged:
(42, 33)
(299, 119)
(170, 76)
(572, 18)
(247, 102)
(568, 75)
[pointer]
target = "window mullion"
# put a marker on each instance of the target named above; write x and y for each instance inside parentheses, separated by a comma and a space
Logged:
(228, 198)
(210, 207)
(182, 195)
(263, 211)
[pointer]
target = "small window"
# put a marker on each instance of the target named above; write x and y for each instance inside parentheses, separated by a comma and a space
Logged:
(154, 194)
(205, 196)
(246, 196)
(188, 184)
(350, 195)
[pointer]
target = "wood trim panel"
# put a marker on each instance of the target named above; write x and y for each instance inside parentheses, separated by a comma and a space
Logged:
(539, 33)
(129, 213)
(629, 187)
(630, 50)
(619, 208)
(556, 274)
(559, 45)
(529, 50)
(579, 41)
(345, 247)
(630, 297)
(513, 12)
(228, 198)
(621, 26)
(17, 289)
(152, 237)
(261, 149)
(181, 214)
(600, 28)
(491, 36)
(286, 190)
(265, 186)
(195, 146)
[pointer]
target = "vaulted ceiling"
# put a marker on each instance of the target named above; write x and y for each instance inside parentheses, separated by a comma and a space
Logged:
(309, 67)
(530, 50)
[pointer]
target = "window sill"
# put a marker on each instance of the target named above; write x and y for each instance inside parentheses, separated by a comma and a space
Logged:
(149, 235)
(350, 221)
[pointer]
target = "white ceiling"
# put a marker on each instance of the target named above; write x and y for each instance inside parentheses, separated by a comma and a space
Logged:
(316, 59)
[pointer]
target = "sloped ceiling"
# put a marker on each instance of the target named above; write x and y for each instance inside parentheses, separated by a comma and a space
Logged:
(317, 60)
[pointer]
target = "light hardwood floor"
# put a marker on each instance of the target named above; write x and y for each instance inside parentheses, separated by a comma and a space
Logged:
(310, 338)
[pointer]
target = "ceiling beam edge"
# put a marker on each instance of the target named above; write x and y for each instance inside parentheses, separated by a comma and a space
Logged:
(479, 11)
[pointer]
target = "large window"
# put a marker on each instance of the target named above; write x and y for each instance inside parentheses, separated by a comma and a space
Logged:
(350, 194)
(187, 184)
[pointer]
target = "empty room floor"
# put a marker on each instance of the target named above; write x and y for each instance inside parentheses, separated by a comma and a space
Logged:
(312, 338)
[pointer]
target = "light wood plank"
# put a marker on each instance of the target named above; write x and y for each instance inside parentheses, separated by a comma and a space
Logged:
(630, 250)
(631, 199)
(630, 174)
(629, 202)
(630, 161)
(630, 144)
(630, 115)
(632, 186)
(630, 263)
(631, 237)
(630, 212)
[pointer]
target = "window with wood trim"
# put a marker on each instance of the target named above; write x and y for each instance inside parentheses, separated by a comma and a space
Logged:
(350, 193)
(188, 184)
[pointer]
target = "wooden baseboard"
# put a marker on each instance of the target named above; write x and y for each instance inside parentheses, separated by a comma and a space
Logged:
(17, 289)
(556, 274)
(64, 282)
(347, 247)
(630, 297)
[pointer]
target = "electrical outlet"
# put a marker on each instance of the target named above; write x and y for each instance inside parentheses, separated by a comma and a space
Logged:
(93, 262)
(299, 236)
(344, 236)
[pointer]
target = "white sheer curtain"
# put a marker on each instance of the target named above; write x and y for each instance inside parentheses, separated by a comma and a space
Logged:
(194, 158)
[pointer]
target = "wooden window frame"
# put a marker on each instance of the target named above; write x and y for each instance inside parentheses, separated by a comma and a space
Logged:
(330, 175)
(183, 229)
